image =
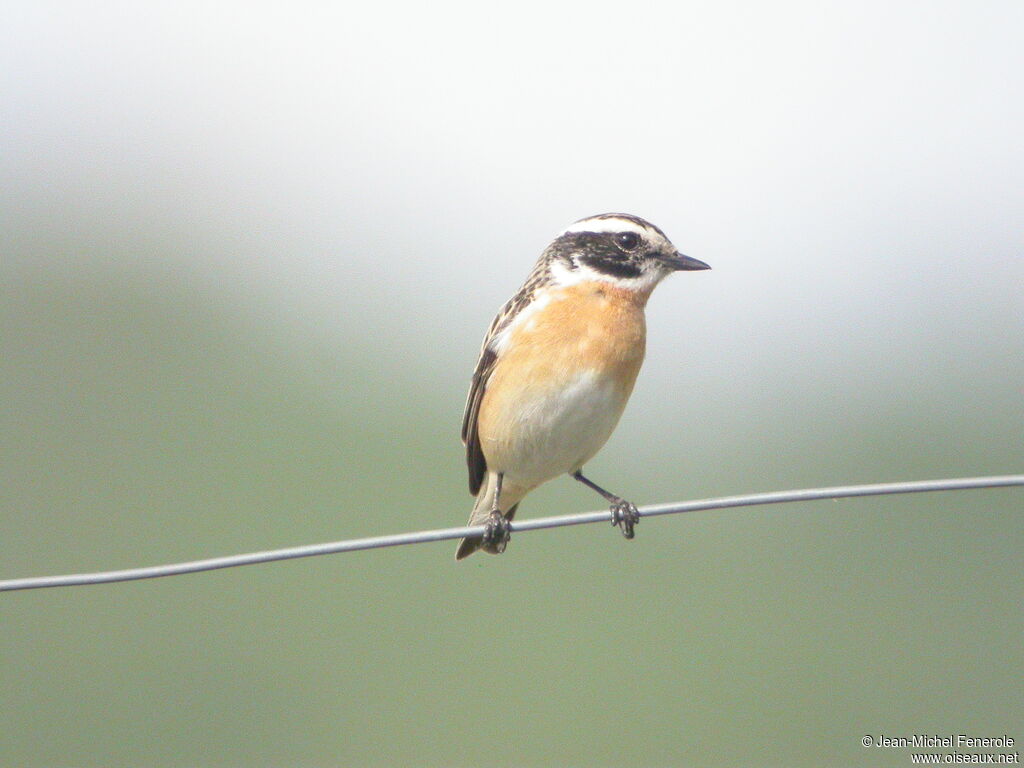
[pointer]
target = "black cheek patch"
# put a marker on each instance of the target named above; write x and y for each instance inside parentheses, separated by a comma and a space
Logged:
(615, 267)
(598, 251)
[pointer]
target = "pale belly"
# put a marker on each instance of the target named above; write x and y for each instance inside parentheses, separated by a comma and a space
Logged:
(551, 431)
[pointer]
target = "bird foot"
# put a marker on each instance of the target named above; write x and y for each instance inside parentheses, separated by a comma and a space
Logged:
(497, 533)
(625, 515)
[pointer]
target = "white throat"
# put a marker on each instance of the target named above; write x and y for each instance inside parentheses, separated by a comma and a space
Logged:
(564, 277)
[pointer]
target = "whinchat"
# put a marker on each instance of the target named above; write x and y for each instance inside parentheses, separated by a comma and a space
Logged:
(558, 365)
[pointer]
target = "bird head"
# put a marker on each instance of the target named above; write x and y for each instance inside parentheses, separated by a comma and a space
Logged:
(618, 248)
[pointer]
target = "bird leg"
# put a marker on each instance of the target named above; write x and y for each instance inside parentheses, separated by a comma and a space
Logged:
(624, 514)
(497, 531)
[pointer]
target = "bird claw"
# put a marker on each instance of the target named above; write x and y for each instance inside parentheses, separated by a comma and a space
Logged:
(625, 515)
(497, 532)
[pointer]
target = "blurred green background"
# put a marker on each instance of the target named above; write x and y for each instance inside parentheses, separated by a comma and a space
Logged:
(248, 255)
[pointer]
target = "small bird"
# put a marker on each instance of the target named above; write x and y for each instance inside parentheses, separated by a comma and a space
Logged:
(557, 367)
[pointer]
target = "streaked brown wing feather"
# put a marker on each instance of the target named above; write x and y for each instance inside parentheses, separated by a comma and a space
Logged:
(475, 460)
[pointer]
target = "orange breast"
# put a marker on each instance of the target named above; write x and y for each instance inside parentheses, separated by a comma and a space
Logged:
(586, 326)
(590, 328)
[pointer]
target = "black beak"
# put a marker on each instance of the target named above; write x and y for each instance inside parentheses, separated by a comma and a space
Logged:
(681, 262)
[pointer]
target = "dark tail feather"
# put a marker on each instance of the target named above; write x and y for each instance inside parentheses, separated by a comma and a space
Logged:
(470, 545)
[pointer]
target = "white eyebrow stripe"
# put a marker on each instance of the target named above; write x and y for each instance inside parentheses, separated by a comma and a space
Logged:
(607, 224)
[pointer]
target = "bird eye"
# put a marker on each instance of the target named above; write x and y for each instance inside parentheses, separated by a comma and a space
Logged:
(627, 241)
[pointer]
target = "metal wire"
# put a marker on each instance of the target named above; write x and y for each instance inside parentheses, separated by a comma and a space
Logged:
(442, 534)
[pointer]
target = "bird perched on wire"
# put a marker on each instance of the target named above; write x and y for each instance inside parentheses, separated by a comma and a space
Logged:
(558, 365)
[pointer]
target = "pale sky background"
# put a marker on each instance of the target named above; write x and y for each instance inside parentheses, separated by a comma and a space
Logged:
(851, 171)
(837, 164)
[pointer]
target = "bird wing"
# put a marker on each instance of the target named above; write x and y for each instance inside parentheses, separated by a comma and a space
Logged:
(485, 365)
